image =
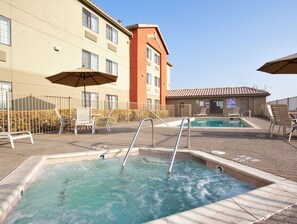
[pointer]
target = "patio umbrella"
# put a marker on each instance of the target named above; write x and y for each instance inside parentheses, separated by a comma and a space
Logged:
(285, 65)
(82, 77)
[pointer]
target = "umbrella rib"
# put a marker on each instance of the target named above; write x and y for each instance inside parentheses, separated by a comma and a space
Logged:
(78, 81)
(289, 62)
(95, 80)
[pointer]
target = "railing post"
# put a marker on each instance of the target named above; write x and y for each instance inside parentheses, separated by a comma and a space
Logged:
(135, 137)
(8, 111)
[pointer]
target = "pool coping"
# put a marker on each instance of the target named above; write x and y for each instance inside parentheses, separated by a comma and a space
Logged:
(174, 124)
(278, 193)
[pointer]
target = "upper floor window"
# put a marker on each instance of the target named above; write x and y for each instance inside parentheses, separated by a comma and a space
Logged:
(111, 34)
(111, 102)
(157, 82)
(90, 20)
(4, 30)
(148, 78)
(4, 88)
(111, 67)
(91, 99)
(149, 53)
(90, 60)
(157, 59)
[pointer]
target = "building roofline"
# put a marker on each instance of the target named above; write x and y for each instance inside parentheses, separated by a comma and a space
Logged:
(136, 26)
(168, 63)
(215, 92)
(106, 16)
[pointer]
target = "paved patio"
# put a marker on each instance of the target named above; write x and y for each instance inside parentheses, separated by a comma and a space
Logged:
(274, 155)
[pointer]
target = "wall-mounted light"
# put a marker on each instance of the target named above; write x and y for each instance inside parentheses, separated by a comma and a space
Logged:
(56, 48)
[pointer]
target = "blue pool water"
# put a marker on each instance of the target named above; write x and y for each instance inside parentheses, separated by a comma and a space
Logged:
(101, 192)
(219, 122)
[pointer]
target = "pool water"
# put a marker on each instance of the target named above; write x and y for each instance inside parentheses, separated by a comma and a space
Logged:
(219, 122)
(101, 192)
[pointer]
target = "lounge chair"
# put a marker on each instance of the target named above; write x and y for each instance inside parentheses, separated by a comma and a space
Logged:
(202, 113)
(62, 121)
(234, 112)
(16, 135)
(269, 110)
(84, 118)
(282, 118)
(105, 118)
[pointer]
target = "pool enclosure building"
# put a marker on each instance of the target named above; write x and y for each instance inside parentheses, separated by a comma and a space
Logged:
(218, 101)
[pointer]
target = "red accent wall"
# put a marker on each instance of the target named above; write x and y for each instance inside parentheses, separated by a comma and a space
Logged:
(138, 64)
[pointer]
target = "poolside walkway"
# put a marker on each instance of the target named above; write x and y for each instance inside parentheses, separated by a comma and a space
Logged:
(274, 155)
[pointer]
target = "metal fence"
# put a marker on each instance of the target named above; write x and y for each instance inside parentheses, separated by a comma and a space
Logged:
(291, 102)
(38, 113)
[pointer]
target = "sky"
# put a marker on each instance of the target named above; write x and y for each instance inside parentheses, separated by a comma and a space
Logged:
(219, 43)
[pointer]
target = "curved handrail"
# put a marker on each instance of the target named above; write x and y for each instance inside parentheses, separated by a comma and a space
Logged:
(177, 141)
(136, 135)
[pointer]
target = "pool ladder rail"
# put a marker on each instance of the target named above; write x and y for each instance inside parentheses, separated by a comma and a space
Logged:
(154, 142)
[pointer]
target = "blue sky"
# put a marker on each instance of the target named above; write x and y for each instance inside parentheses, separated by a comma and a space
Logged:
(219, 43)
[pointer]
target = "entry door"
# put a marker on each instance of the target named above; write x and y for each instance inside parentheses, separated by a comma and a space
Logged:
(244, 105)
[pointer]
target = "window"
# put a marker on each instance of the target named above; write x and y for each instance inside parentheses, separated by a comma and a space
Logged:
(111, 102)
(111, 34)
(91, 99)
(4, 30)
(111, 67)
(89, 20)
(157, 82)
(216, 106)
(157, 105)
(148, 104)
(148, 79)
(149, 53)
(157, 59)
(90, 60)
(4, 88)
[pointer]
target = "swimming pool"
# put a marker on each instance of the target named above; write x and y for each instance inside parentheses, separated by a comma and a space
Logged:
(101, 192)
(219, 122)
(214, 122)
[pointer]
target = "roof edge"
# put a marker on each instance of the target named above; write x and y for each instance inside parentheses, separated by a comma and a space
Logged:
(136, 26)
(103, 14)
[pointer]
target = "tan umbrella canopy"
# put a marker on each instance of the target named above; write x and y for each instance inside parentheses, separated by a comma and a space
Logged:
(285, 65)
(82, 77)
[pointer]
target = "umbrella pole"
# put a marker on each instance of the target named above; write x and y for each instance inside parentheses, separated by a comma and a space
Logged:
(85, 96)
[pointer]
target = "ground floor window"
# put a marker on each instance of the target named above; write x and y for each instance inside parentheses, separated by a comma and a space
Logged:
(148, 104)
(4, 88)
(111, 102)
(216, 106)
(91, 99)
(157, 104)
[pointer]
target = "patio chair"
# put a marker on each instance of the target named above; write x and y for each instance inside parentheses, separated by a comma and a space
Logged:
(234, 112)
(105, 118)
(84, 118)
(271, 119)
(16, 135)
(282, 118)
(202, 113)
(62, 121)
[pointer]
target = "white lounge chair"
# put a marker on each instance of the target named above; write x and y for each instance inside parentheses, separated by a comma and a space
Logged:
(282, 118)
(202, 113)
(16, 135)
(62, 121)
(269, 110)
(84, 118)
(107, 119)
(234, 112)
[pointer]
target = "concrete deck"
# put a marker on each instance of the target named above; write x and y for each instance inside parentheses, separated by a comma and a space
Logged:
(275, 155)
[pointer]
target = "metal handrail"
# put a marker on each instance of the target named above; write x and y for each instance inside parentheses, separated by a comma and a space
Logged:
(250, 113)
(177, 141)
(136, 135)
(158, 117)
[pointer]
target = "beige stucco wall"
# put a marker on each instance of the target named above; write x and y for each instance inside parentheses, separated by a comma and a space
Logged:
(168, 76)
(39, 26)
(255, 105)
